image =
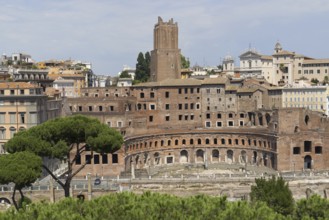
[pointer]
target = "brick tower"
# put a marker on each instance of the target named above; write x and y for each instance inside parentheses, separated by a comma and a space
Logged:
(165, 58)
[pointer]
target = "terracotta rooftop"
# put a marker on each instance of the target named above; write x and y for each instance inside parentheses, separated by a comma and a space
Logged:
(218, 80)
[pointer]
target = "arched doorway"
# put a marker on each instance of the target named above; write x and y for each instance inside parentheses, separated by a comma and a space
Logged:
(229, 157)
(254, 158)
(308, 162)
(199, 156)
(183, 156)
(156, 158)
(215, 155)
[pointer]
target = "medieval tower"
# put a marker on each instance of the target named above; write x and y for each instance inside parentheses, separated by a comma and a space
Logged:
(165, 58)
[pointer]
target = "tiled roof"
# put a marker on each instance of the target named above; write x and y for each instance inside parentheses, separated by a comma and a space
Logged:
(246, 90)
(217, 80)
(316, 61)
(171, 82)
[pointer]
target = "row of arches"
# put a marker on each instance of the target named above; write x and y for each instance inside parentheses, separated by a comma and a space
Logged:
(215, 155)
(32, 76)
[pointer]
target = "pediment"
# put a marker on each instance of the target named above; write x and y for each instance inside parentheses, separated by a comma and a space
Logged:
(250, 55)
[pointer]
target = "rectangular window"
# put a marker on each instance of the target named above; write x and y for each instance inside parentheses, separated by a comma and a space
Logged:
(2, 92)
(2, 117)
(186, 117)
(115, 158)
(167, 106)
(120, 124)
(296, 150)
(152, 95)
(90, 108)
(88, 159)
(219, 124)
(12, 92)
(152, 107)
(186, 90)
(307, 146)
(78, 159)
(22, 117)
(192, 106)
(241, 123)
(191, 91)
(12, 117)
(167, 94)
(104, 159)
(167, 118)
(21, 91)
(179, 91)
(80, 108)
(100, 108)
(208, 124)
(111, 108)
(96, 159)
(230, 123)
(208, 115)
(186, 105)
(180, 106)
(192, 117)
(180, 117)
(151, 118)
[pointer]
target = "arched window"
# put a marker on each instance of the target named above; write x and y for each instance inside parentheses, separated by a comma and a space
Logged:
(207, 141)
(191, 141)
(199, 141)
(223, 141)
(176, 142)
(183, 141)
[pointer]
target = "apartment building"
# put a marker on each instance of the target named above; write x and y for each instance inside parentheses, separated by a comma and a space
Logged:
(24, 105)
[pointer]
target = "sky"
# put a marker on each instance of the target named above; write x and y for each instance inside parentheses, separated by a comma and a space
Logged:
(111, 33)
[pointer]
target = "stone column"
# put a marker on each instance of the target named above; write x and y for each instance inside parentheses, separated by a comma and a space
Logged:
(89, 186)
(52, 191)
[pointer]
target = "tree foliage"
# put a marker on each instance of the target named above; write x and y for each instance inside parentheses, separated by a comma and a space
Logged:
(275, 193)
(147, 206)
(21, 169)
(57, 138)
(143, 67)
(124, 74)
(185, 63)
(314, 207)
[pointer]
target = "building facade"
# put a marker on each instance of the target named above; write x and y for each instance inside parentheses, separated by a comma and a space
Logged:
(24, 105)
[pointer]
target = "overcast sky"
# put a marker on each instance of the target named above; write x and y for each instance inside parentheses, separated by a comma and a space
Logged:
(111, 33)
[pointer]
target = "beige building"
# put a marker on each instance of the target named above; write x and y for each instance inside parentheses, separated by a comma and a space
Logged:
(254, 64)
(24, 105)
(311, 97)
